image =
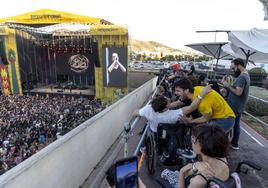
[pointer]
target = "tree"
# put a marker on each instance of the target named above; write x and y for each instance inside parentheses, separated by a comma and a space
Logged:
(155, 57)
(132, 55)
(138, 57)
(143, 57)
(170, 58)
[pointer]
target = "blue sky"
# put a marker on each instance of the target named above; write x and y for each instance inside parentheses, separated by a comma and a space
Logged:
(171, 22)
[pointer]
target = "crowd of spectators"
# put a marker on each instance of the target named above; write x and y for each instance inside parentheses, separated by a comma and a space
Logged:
(29, 123)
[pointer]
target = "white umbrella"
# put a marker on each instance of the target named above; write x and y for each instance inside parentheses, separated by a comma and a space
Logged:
(213, 49)
(251, 45)
(228, 48)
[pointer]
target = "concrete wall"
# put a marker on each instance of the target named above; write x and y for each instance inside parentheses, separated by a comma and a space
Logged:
(67, 162)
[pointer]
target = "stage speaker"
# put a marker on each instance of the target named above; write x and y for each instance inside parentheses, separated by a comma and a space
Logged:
(3, 57)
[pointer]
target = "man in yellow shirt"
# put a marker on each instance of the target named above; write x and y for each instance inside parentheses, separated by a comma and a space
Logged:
(213, 108)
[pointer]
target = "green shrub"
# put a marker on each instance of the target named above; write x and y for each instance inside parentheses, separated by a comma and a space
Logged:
(257, 76)
(255, 106)
(257, 70)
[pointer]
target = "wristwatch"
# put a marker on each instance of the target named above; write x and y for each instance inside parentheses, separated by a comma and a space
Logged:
(199, 97)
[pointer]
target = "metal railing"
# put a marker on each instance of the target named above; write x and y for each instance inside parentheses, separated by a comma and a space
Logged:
(257, 119)
(101, 175)
(147, 126)
(262, 100)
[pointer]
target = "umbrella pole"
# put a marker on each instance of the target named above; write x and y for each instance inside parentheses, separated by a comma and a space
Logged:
(246, 60)
(216, 68)
(218, 57)
(247, 54)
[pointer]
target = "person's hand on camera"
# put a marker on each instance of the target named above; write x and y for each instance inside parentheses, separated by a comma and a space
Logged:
(225, 84)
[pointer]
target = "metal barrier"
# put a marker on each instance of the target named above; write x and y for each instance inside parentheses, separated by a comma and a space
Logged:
(257, 119)
(259, 99)
(101, 175)
(141, 140)
(147, 127)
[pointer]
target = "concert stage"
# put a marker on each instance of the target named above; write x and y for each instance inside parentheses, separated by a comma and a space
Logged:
(48, 47)
(51, 90)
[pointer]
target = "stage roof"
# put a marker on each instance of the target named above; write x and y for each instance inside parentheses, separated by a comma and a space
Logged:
(69, 27)
(81, 29)
(47, 16)
(46, 21)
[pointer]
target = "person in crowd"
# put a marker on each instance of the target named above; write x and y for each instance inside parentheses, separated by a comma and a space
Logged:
(162, 91)
(238, 94)
(211, 144)
(202, 80)
(192, 69)
(185, 102)
(177, 75)
(3, 167)
(215, 86)
(28, 123)
(213, 108)
(158, 112)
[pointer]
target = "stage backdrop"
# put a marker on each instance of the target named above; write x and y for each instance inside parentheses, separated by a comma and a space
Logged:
(114, 66)
(79, 67)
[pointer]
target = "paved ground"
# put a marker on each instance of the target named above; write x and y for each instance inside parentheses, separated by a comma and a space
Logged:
(252, 147)
(249, 149)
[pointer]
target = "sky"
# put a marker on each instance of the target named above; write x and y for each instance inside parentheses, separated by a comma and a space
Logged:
(171, 22)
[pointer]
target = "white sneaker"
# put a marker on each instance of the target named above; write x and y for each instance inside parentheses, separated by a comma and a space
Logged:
(234, 147)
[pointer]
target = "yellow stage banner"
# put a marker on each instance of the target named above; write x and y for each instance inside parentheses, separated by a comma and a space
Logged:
(47, 16)
(13, 63)
(4, 79)
(108, 30)
(3, 30)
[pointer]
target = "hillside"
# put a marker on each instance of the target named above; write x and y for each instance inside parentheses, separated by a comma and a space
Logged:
(151, 46)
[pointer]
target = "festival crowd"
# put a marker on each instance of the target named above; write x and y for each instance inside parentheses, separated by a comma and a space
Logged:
(29, 123)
